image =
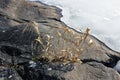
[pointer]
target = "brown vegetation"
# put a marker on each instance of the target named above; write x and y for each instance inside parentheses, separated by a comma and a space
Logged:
(58, 47)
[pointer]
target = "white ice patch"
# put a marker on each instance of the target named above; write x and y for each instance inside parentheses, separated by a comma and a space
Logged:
(117, 66)
(101, 16)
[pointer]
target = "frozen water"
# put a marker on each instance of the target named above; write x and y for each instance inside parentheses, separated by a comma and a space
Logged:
(117, 66)
(101, 16)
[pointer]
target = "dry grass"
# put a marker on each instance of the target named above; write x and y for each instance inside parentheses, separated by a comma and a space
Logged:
(63, 45)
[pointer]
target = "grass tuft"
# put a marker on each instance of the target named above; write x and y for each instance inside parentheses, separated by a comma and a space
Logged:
(63, 45)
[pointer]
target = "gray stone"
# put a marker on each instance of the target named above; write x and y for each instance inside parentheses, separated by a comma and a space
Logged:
(15, 46)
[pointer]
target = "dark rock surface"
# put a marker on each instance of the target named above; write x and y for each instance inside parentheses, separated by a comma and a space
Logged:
(8, 73)
(15, 47)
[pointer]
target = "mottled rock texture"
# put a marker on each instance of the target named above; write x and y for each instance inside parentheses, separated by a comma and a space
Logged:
(16, 54)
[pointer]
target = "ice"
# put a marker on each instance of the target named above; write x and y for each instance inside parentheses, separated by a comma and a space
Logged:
(101, 16)
(117, 66)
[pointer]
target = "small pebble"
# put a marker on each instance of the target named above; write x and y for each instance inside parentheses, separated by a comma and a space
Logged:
(3, 31)
(10, 76)
(49, 69)
(68, 64)
(32, 64)
(61, 65)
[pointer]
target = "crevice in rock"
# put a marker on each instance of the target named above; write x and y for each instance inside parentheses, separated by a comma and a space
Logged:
(113, 60)
(38, 73)
(12, 51)
(8, 17)
(110, 63)
(32, 75)
(25, 20)
(55, 19)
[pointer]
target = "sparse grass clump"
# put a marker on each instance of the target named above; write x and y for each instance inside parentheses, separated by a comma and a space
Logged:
(62, 45)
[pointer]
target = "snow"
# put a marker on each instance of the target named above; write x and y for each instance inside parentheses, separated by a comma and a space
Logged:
(101, 16)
